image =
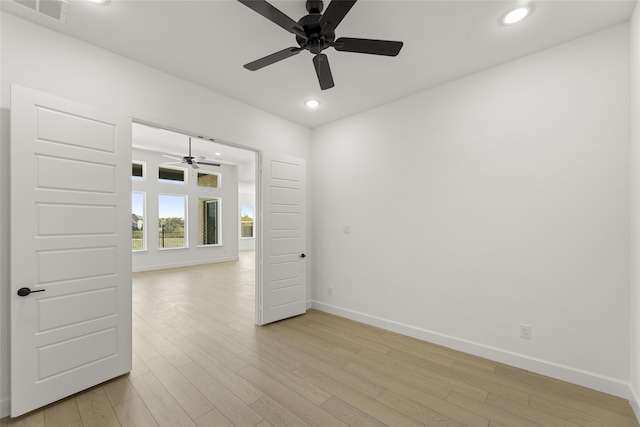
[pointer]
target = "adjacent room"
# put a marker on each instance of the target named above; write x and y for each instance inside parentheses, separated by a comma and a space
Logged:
(416, 212)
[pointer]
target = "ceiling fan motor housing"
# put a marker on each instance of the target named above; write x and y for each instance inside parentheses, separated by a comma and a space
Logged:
(315, 43)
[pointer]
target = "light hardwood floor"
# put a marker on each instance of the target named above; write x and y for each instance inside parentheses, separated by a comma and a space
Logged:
(200, 361)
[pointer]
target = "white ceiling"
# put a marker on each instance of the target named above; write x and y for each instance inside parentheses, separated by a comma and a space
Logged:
(207, 42)
(177, 145)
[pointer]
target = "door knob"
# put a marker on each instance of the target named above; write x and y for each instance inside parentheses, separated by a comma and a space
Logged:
(23, 292)
(303, 256)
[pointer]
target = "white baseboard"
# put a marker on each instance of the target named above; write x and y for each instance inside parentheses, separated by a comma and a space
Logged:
(4, 408)
(634, 400)
(181, 264)
(591, 380)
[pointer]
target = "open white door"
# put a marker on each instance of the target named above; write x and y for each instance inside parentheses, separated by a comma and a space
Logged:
(284, 289)
(70, 246)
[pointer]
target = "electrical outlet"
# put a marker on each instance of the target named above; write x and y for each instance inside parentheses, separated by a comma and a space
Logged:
(330, 290)
(525, 331)
(346, 229)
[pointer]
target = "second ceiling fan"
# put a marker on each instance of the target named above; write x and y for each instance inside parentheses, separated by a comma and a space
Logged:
(193, 161)
(315, 32)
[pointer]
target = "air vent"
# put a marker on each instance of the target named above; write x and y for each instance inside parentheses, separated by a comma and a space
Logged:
(56, 9)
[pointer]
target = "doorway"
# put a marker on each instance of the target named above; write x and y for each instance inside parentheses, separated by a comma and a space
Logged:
(189, 197)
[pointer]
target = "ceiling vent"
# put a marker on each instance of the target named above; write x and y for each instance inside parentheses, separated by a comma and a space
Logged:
(56, 9)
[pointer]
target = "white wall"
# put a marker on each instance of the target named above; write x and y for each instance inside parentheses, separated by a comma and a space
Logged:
(154, 258)
(495, 200)
(50, 62)
(634, 299)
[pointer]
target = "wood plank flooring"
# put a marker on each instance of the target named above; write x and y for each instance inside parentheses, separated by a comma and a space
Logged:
(200, 361)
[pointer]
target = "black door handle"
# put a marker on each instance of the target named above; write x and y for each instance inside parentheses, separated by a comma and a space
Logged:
(303, 256)
(23, 292)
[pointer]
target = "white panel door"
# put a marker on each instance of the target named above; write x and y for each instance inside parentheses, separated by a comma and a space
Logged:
(284, 291)
(70, 246)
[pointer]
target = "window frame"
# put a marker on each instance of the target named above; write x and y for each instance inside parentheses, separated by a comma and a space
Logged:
(185, 197)
(144, 225)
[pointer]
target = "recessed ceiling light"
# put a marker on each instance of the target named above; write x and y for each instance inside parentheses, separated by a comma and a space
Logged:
(98, 1)
(312, 103)
(516, 15)
(217, 154)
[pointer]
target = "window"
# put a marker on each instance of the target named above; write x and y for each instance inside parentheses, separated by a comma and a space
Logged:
(246, 221)
(172, 214)
(208, 180)
(171, 175)
(137, 170)
(138, 241)
(209, 221)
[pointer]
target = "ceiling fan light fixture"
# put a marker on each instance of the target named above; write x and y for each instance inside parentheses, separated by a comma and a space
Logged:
(312, 103)
(516, 15)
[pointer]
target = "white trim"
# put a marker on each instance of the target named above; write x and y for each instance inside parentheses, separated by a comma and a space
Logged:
(591, 380)
(4, 407)
(634, 401)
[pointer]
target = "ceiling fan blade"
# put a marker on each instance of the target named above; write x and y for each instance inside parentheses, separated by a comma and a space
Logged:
(194, 165)
(334, 14)
(274, 15)
(171, 157)
(323, 71)
(373, 47)
(272, 59)
(208, 163)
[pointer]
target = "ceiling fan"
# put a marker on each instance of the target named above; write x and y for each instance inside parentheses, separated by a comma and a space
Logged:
(315, 32)
(190, 160)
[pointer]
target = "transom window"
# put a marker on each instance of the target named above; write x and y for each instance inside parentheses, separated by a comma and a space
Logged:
(209, 179)
(137, 170)
(171, 175)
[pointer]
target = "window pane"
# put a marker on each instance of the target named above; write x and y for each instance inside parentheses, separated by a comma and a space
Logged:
(137, 171)
(207, 180)
(172, 214)
(246, 221)
(137, 222)
(170, 175)
(208, 221)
